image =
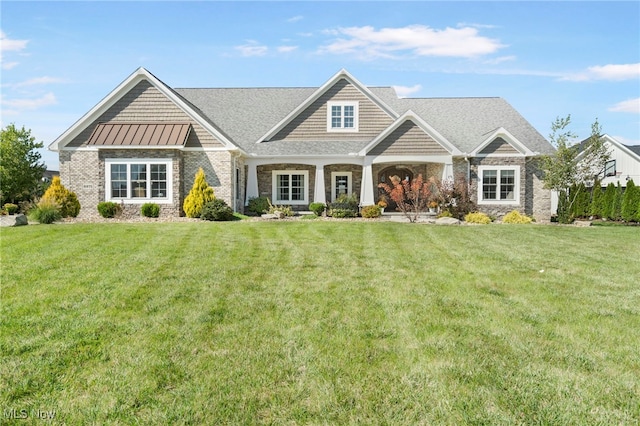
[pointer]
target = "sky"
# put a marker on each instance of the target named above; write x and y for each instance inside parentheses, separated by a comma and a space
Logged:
(547, 59)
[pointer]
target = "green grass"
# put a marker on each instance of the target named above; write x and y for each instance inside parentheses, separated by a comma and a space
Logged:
(314, 322)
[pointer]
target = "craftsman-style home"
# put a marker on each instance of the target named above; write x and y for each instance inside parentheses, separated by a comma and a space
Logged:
(145, 141)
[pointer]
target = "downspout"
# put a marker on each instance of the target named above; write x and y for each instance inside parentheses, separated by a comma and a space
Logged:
(234, 179)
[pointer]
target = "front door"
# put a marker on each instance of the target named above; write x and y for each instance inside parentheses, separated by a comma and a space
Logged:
(402, 172)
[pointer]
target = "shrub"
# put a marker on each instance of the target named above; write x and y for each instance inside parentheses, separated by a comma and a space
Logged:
(631, 202)
(370, 212)
(317, 208)
(11, 208)
(477, 217)
(150, 210)
(109, 209)
(216, 209)
(66, 200)
(411, 197)
(515, 217)
(201, 193)
(444, 213)
(455, 196)
(597, 200)
(46, 212)
(258, 205)
(285, 210)
(344, 206)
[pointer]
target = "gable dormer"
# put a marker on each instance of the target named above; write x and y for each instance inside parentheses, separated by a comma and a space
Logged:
(341, 109)
(501, 143)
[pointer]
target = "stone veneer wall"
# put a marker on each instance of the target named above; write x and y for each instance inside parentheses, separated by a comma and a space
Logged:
(80, 173)
(534, 199)
(265, 177)
(218, 169)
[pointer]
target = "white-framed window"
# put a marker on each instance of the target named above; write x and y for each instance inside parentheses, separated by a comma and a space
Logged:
(290, 186)
(138, 180)
(610, 168)
(499, 185)
(342, 116)
(341, 183)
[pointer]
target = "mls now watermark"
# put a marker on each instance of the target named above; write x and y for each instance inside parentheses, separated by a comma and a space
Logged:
(24, 414)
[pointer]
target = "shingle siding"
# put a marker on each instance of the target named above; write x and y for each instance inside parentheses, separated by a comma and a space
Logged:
(311, 124)
(408, 139)
(499, 146)
(145, 103)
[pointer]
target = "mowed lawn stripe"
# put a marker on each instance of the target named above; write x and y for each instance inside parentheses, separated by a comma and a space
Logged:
(321, 322)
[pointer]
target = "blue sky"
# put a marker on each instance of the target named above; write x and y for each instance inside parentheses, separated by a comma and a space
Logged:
(548, 59)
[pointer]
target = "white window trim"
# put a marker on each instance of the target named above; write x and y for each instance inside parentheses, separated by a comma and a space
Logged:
(168, 199)
(355, 105)
(274, 186)
(516, 185)
(333, 183)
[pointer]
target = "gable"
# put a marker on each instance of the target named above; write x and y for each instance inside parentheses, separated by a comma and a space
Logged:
(498, 146)
(145, 103)
(408, 139)
(311, 123)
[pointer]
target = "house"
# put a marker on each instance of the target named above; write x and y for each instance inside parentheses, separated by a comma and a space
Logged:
(145, 141)
(623, 165)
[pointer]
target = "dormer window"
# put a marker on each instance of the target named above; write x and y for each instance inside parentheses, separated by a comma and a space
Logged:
(342, 116)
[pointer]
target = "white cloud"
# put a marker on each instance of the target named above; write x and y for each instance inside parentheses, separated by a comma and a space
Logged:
(631, 105)
(500, 59)
(252, 48)
(8, 65)
(404, 91)
(607, 72)
(369, 43)
(295, 18)
(31, 104)
(7, 44)
(37, 81)
(287, 49)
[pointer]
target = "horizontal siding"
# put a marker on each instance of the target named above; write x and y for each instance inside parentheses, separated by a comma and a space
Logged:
(408, 139)
(499, 146)
(145, 103)
(311, 124)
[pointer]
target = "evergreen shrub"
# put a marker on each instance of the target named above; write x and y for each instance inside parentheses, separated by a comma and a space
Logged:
(370, 212)
(109, 209)
(630, 211)
(67, 201)
(516, 217)
(150, 210)
(201, 193)
(317, 208)
(258, 205)
(477, 217)
(344, 206)
(216, 210)
(10, 208)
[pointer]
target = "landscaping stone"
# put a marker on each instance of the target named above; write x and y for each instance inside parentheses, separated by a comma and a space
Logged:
(21, 220)
(447, 221)
(582, 223)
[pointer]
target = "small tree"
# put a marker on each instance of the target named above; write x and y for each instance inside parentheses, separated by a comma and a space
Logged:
(572, 164)
(608, 201)
(597, 199)
(412, 197)
(20, 166)
(455, 196)
(631, 202)
(201, 193)
(67, 201)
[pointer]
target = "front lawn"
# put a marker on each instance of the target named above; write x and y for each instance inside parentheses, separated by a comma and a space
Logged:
(313, 322)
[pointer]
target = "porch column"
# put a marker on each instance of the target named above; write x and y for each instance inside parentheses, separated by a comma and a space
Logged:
(367, 197)
(252, 183)
(319, 194)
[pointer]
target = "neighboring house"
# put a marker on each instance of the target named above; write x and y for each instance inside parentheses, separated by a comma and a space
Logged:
(48, 175)
(624, 164)
(145, 141)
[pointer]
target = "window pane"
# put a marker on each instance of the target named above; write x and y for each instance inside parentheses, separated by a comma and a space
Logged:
(489, 184)
(507, 184)
(610, 168)
(119, 181)
(348, 116)
(297, 187)
(158, 180)
(341, 185)
(138, 180)
(283, 188)
(336, 116)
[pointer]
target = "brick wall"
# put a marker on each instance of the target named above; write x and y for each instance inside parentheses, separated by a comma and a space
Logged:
(218, 169)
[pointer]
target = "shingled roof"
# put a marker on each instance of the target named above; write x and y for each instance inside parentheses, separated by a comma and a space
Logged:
(246, 114)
